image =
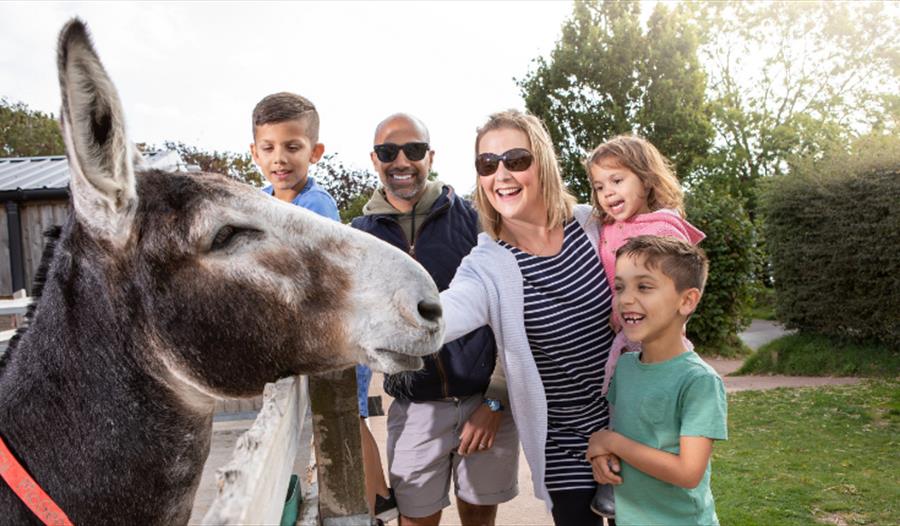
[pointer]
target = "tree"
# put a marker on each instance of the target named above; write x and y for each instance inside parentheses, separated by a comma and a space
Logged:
(234, 165)
(350, 187)
(28, 133)
(608, 76)
(792, 79)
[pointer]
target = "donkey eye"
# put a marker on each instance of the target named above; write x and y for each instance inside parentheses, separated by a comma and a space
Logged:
(223, 237)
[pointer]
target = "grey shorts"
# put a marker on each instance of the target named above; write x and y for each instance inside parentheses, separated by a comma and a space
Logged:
(421, 450)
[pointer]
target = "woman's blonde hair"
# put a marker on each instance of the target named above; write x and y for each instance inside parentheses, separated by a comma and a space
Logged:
(558, 199)
(639, 156)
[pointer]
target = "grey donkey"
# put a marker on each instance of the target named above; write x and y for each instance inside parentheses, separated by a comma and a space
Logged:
(165, 291)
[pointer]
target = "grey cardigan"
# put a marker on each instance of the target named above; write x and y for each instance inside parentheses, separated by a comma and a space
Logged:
(487, 290)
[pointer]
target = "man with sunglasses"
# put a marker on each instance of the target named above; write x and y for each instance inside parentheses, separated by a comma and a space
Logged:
(448, 421)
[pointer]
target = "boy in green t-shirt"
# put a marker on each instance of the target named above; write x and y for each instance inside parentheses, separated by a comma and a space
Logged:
(668, 404)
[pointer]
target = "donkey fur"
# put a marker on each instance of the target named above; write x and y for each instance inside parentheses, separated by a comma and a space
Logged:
(166, 291)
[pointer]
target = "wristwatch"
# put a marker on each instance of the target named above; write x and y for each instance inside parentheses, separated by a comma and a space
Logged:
(493, 404)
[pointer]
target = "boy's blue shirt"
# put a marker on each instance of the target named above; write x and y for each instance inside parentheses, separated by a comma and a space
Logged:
(656, 404)
(314, 199)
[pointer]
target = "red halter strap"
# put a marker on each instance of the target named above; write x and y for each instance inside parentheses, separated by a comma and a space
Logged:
(28, 491)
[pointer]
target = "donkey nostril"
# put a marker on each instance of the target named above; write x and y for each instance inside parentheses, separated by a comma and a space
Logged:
(430, 311)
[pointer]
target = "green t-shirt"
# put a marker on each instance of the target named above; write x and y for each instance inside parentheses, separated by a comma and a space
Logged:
(656, 404)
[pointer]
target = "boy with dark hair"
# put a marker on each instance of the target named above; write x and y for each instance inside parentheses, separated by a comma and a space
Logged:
(669, 405)
(285, 144)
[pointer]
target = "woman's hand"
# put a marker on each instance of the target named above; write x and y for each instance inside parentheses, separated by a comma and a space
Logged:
(479, 431)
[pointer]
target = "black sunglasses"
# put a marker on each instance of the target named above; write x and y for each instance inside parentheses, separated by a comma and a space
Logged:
(515, 160)
(414, 151)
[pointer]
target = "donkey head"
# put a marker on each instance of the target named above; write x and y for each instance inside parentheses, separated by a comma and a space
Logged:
(224, 288)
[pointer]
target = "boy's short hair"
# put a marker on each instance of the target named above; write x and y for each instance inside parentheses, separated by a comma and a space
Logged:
(685, 264)
(284, 106)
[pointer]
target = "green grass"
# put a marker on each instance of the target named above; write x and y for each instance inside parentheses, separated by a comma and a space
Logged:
(730, 349)
(814, 355)
(763, 307)
(824, 455)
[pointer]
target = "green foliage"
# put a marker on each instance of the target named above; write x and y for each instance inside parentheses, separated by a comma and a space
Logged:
(608, 76)
(792, 79)
(354, 208)
(810, 456)
(833, 228)
(234, 165)
(350, 187)
(731, 248)
(28, 133)
(763, 304)
(817, 355)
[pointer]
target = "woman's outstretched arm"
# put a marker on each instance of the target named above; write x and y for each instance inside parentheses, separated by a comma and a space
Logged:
(464, 303)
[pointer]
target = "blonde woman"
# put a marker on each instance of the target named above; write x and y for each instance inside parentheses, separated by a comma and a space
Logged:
(535, 278)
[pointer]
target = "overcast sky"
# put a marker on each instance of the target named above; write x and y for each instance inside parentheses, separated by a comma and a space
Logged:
(192, 71)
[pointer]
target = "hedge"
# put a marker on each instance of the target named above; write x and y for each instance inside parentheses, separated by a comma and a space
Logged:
(730, 245)
(833, 232)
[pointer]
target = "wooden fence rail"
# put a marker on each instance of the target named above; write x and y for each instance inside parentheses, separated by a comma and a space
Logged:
(253, 485)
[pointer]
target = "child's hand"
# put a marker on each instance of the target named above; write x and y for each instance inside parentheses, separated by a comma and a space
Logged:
(603, 462)
(605, 469)
(597, 445)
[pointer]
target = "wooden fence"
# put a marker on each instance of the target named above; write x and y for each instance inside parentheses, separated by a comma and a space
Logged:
(253, 485)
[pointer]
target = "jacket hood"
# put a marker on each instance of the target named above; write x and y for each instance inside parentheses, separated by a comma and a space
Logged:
(379, 204)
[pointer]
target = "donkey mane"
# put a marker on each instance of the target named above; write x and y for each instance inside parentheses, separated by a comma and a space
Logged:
(52, 236)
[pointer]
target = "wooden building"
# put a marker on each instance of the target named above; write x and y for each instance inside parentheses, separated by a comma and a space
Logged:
(34, 194)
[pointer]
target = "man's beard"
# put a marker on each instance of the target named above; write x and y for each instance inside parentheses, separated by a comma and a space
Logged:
(407, 191)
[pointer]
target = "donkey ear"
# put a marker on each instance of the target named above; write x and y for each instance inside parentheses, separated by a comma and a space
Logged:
(99, 152)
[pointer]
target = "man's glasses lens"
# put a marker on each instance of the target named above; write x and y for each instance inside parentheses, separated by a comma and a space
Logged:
(515, 160)
(414, 151)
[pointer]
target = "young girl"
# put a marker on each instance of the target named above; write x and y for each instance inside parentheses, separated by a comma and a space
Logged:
(634, 193)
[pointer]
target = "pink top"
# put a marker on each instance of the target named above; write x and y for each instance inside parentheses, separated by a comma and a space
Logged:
(664, 223)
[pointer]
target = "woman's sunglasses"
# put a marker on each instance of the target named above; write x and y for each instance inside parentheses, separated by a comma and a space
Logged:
(414, 151)
(515, 160)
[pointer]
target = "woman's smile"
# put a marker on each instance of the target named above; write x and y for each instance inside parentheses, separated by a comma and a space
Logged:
(514, 195)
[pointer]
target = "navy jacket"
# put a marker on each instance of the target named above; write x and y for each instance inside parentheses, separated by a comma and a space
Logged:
(463, 367)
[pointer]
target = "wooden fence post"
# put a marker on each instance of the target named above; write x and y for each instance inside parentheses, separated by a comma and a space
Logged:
(339, 465)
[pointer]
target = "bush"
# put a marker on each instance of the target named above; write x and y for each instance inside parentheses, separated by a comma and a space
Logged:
(816, 355)
(763, 304)
(833, 231)
(731, 248)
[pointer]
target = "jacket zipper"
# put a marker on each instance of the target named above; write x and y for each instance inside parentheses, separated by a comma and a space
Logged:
(445, 384)
(411, 250)
(417, 231)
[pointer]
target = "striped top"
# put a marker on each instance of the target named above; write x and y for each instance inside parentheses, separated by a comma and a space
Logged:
(567, 303)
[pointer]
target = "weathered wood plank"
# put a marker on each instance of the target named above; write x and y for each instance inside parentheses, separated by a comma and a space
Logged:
(252, 487)
(16, 306)
(37, 217)
(5, 271)
(342, 497)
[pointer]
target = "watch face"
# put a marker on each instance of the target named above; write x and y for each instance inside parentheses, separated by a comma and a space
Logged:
(494, 405)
